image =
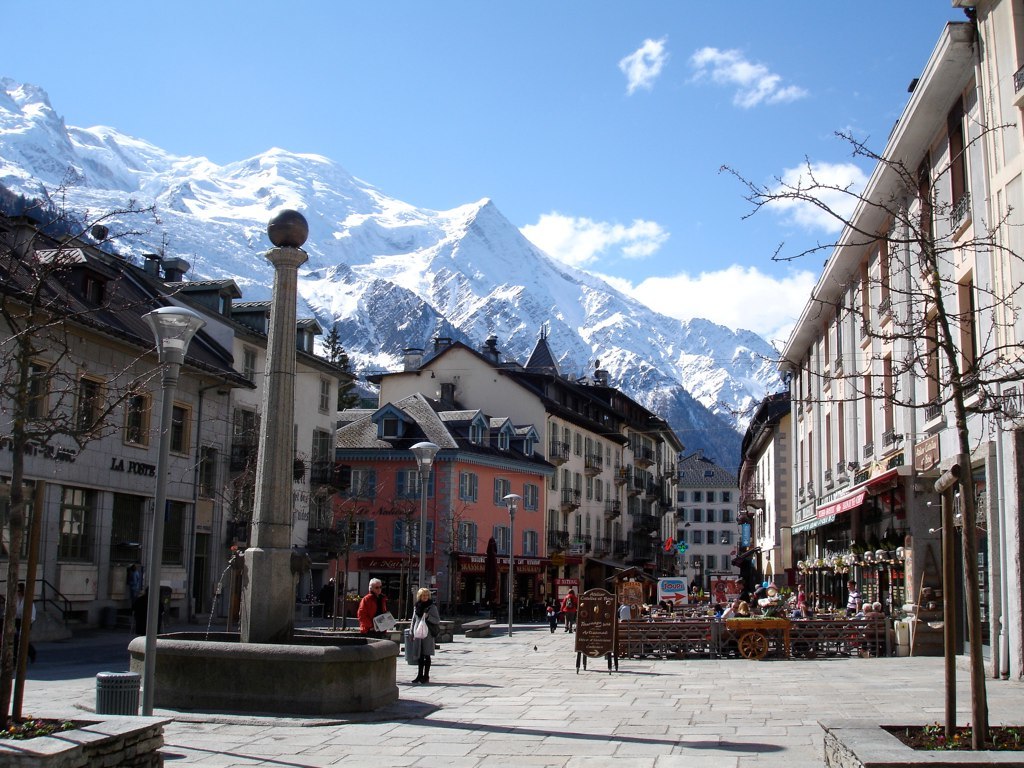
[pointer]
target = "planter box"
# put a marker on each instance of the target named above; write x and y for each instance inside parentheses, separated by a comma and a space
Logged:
(132, 742)
(863, 744)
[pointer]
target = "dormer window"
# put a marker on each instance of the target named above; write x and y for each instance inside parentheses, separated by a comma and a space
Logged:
(503, 440)
(476, 434)
(528, 446)
(93, 289)
(389, 427)
(391, 422)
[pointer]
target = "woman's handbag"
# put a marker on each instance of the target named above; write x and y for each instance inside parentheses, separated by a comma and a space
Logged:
(421, 631)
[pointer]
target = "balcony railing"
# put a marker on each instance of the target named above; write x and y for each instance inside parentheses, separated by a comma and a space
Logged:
(829, 482)
(612, 508)
(558, 539)
(602, 545)
(593, 464)
(559, 453)
(960, 209)
(622, 475)
(932, 412)
(1018, 80)
(643, 456)
(570, 499)
(869, 449)
(242, 454)
(321, 472)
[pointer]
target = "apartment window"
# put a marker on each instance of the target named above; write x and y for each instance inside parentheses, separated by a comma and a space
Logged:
(711, 496)
(468, 486)
(249, 363)
(531, 496)
(325, 395)
(598, 490)
(697, 536)
(181, 427)
(726, 497)
(888, 393)
(136, 419)
(577, 444)
(476, 434)
(90, 397)
(502, 537)
(725, 537)
(502, 488)
(503, 440)
(968, 326)
(321, 448)
(712, 514)
(77, 517)
(389, 427)
(174, 533)
(407, 483)
(957, 166)
(364, 483)
(726, 561)
(406, 536)
(726, 515)
(38, 391)
(932, 368)
(207, 472)
(529, 543)
(698, 515)
(697, 496)
(467, 537)
(362, 535)
(590, 488)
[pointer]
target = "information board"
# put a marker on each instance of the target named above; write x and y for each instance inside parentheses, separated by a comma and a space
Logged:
(595, 623)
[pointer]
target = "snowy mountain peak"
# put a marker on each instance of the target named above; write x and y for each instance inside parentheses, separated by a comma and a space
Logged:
(389, 274)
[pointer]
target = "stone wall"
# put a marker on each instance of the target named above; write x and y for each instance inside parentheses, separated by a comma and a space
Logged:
(122, 742)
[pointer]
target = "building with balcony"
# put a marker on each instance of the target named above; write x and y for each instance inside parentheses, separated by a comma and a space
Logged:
(706, 519)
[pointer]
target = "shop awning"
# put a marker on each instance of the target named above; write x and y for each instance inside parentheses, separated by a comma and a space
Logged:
(845, 504)
(810, 525)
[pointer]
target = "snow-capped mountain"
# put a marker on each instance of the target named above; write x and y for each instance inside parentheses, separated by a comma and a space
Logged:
(389, 274)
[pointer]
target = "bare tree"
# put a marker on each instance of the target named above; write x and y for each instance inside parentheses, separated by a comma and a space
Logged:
(950, 329)
(47, 403)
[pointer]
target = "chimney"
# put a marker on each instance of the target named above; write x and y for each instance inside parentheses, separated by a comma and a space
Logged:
(490, 348)
(448, 395)
(175, 269)
(442, 342)
(151, 265)
(413, 358)
(601, 376)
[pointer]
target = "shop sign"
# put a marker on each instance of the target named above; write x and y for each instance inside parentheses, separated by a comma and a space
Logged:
(672, 591)
(926, 453)
(132, 467)
(54, 452)
(595, 623)
(382, 563)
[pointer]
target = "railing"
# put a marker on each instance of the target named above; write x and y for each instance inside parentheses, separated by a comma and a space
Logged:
(558, 539)
(570, 498)
(613, 509)
(828, 478)
(960, 209)
(241, 454)
(869, 450)
(1018, 80)
(49, 595)
(559, 453)
(888, 437)
(593, 464)
(320, 472)
(602, 544)
(932, 411)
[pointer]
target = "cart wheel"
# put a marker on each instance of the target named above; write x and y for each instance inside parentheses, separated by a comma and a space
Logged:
(753, 645)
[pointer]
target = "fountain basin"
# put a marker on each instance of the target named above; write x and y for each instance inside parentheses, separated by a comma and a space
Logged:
(313, 675)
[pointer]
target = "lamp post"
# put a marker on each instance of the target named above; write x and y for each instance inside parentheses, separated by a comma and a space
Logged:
(698, 570)
(173, 328)
(511, 501)
(424, 453)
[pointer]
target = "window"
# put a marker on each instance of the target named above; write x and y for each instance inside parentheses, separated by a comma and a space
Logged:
(407, 483)
(712, 515)
(598, 491)
(249, 363)
(531, 496)
(174, 533)
(529, 543)
(93, 289)
(406, 536)
(5, 514)
(468, 486)
(390, 427)
(711, 497)
(726, 515)
(181, 427)
(577, 443)
(74, 538)
(476, 433)
(698, 496)
(325, 395)
(38, 390)
(726, 562)
(726, 498)
(364, 483)
(590, 488)
(968, 320)
(725, 537)
(90, 395)
(501, 538)
(502, 488)
(136, 420)
(503, 440)
(321, 448)
(698, 537)
(207, 472)
(467, 537)
(362, 535)
(957, 166)
(698, 515)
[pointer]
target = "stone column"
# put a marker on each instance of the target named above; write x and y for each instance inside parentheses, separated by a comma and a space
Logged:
(268, 586)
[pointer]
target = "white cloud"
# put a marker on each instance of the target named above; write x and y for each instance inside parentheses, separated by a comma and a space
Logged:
(643, 66)
(736, 297)
(754, 83)
(824, 182)
(580, 241)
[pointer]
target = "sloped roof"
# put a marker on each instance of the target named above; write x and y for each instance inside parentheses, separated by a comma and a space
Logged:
(697, 471)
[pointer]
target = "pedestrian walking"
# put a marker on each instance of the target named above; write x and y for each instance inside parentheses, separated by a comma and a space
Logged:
(134, 582)
(426, 625)
(853, 603)
(569, 607)
(19, 610)
(552, 615)
(373, 604)
(326, 597)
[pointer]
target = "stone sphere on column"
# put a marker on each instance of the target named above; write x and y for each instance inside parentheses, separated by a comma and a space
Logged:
(288, 229)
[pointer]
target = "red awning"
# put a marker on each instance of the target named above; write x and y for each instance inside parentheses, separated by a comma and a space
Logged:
(845, 504)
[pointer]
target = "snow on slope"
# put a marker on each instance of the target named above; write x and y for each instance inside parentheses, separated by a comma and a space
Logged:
(390, 274)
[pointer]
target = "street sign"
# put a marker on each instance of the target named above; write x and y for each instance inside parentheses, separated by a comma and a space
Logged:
(673, 590)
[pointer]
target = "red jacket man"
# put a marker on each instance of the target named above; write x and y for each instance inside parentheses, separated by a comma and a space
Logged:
(374, 603)
(570, 604)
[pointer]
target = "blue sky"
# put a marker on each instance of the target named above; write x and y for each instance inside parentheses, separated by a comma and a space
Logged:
(597, 127)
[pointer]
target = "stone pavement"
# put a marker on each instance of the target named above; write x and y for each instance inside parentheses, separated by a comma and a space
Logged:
(519, 701)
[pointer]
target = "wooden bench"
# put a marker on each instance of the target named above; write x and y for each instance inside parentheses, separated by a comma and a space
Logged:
(478, 628)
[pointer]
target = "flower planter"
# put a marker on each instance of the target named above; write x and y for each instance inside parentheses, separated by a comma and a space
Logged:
(863, 744)
(127, 742)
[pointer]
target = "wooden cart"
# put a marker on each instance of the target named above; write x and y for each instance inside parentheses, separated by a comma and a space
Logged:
(752, 635)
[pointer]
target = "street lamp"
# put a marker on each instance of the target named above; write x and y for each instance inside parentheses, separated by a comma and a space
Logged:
(424, 453)
(173, 328)
(698, 569)
(511, 501)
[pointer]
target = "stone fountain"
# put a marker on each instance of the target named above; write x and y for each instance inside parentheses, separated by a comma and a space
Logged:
(268, 667)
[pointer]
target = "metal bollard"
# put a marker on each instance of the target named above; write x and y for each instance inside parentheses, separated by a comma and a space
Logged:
(117, 693)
